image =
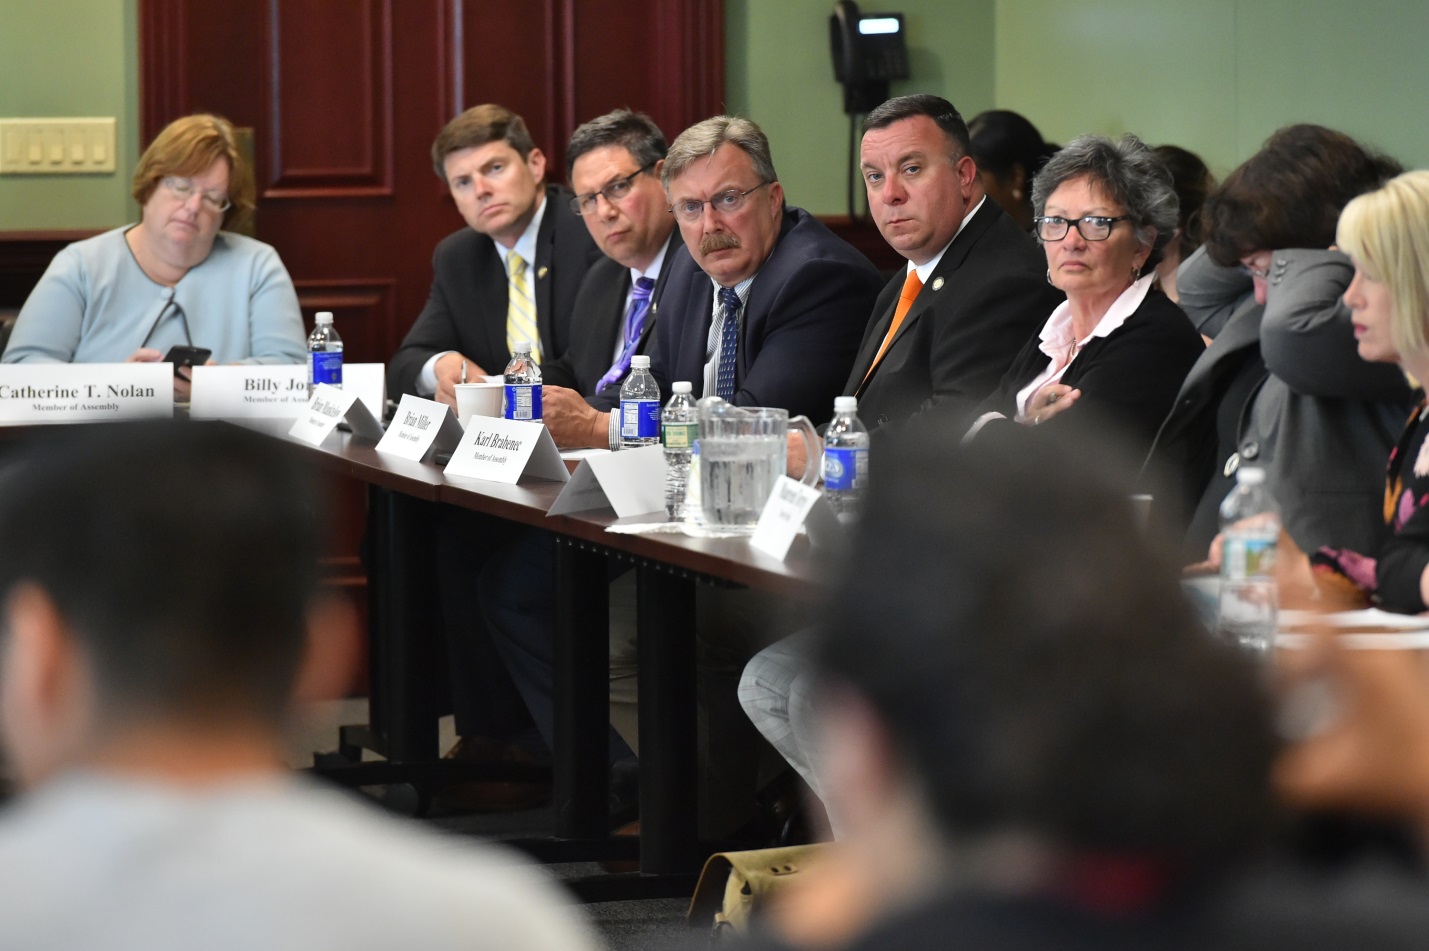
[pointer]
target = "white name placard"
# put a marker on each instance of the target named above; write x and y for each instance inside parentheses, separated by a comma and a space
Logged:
(330, 406)
(504, 450)
(632, 482)
(33, 393)
(418, 426)
(783, 516)
(274, 392)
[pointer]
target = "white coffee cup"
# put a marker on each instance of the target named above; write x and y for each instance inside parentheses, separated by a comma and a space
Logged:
(477, 399)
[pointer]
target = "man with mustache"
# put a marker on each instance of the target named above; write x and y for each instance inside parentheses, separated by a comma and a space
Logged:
(765, 306)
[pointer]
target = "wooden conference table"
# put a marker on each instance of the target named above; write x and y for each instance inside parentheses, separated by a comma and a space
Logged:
(404, 497)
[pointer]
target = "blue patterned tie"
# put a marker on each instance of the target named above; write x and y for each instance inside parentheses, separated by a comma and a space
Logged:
(728, 343)
(634, 324)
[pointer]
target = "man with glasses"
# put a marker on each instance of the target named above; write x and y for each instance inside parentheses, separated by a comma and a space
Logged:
(764, 306)
(511, 276)
(767, 306)
(974, 290)
(614, 164)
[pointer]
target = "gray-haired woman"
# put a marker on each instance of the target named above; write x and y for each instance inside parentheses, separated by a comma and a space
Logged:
(1117, 346)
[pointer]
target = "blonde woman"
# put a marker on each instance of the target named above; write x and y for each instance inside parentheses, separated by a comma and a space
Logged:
(1386, 235)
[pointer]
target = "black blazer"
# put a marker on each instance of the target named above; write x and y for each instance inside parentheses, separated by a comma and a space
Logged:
(960, 336)
(1129, 378)
(598, 323)
(801, 325)
(466, 309)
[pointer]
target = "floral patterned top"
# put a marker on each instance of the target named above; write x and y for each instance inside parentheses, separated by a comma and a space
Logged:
(1391, 579)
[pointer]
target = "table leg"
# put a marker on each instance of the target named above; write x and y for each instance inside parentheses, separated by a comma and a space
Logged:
(580, 771)
(404, 627)
(668, 742)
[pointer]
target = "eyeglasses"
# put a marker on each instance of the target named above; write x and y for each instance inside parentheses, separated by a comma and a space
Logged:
(726, 203)
(1250, 270)
(613, 192)
(1090, 227)
(183, 189)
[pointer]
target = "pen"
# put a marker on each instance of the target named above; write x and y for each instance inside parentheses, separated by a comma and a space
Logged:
(463, 371)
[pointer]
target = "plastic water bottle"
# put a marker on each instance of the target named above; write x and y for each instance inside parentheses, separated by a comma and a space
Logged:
(324, 354)
(679, 431)
(639, 406)
(1250, 528)
(845, 459)
(521, 397)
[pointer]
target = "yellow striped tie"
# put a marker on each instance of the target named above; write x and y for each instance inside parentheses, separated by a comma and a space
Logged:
(521, 308)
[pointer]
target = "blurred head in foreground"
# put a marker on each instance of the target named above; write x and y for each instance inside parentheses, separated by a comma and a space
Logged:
(1012, 671)
(157, 580)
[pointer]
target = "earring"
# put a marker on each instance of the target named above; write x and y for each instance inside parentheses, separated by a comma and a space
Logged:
(1049, 277)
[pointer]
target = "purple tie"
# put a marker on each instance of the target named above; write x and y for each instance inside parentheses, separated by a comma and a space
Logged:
(728, 343)
(634, 324)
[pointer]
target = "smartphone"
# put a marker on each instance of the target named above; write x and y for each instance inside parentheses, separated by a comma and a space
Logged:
(187, 357)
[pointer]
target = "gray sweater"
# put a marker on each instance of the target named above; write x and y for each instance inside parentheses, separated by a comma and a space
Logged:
(95, 305)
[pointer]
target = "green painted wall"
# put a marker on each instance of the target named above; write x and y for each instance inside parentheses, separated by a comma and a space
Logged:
(1217, 76)
(778, 73)
(70, 58)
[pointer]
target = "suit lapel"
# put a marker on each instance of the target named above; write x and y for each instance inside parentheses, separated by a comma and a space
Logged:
(541, 283)
(491, 318)
(674, 244)
(948, 265)
(1241, 331)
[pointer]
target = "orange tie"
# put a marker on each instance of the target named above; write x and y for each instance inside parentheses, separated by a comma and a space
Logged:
(911, 287)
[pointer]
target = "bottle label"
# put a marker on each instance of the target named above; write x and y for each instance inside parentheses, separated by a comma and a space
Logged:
(1245, 557)
(522, 401)
(325, 366)
(845, 468)
(679, 435)
(640, 419)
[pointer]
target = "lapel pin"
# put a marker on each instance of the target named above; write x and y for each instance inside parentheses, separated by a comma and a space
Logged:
(542, 273)
(937, 283)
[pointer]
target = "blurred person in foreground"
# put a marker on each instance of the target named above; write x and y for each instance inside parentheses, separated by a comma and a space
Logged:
(1118, 348)
(1280, 386)
(1193, 181)
(150, 653)
(175, 278)
(1043, 749)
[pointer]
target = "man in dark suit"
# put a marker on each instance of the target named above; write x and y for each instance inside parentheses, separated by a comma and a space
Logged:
(975, 280)
(790, 299)
(942, 333)
(511, 275)
(767, 306)
(762, 293)
(615, 161)
(614, 165)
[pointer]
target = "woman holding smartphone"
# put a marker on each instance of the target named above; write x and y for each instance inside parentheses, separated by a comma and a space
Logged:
(174, 279)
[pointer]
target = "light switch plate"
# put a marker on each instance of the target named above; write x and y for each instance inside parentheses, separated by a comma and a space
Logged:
(57, 146)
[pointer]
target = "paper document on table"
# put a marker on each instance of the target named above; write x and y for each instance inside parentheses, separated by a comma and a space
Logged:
(1368, 629)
